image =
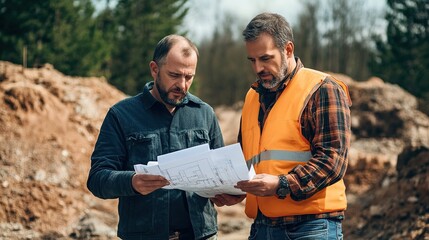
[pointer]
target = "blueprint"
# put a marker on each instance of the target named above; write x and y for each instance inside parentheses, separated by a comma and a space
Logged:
(201, 170)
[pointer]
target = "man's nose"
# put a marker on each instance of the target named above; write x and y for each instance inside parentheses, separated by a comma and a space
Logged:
(182, 83)
(258, 67)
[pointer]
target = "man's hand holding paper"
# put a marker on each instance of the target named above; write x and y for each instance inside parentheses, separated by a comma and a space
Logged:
(145, 183)
(203, 171)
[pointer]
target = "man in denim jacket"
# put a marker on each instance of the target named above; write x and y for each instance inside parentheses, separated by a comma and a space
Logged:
(164, 118)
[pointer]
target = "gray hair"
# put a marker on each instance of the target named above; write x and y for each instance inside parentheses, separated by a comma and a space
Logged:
(166, 43)
(271, 23)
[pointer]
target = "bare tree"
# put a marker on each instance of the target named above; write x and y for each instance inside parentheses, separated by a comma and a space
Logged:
(224, 74)
(335, 35)
(307, 36)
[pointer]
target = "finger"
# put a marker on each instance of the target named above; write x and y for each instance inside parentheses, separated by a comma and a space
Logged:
(250, 185)
(150, 177)
(217, 202)
(255, 190)
(230, 198)
(154, 183)
(233, 199)
(145, 186)
(146, 189)
(242, 182)
(223, 197)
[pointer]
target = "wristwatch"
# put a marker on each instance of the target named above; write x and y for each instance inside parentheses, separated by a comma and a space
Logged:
(283, 189)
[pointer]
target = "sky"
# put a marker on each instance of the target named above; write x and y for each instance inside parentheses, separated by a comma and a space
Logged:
(205, 15)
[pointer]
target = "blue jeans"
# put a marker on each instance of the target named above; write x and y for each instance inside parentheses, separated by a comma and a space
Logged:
(322, 229)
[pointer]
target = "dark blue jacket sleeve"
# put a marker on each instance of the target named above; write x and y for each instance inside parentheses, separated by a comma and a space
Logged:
(107, 176)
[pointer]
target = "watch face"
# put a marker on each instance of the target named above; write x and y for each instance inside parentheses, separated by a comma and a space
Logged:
(283, 189)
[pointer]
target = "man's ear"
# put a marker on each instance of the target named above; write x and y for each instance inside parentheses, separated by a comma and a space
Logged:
(289, 48)
(154, 69)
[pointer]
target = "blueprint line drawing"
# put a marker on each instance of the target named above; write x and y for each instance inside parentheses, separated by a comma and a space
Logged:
(201, 170)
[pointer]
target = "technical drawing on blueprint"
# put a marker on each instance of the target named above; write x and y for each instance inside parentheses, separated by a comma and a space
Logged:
(201, 170)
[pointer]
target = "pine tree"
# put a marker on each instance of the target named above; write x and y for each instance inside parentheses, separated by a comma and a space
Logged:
(59, 32)
(403, 58)
(141, 24)
(25, 24)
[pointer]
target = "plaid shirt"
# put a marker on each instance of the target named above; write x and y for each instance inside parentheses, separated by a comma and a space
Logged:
(325, 123)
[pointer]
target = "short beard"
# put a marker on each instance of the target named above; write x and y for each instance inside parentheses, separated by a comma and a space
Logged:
(276, 79)
(164, 95)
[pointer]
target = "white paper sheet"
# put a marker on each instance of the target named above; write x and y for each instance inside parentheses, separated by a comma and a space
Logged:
(201, 170)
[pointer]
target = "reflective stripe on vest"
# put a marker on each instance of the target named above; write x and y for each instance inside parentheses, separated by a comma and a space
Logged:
(284, 155)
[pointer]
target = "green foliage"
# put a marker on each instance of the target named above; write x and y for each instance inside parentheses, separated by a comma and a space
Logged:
(106, 23)
(403, 58)
(60, 32)
(20, 28)
(141, 24)
(116, 43)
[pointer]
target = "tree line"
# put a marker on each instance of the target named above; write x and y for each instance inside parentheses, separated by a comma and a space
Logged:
(117, 42)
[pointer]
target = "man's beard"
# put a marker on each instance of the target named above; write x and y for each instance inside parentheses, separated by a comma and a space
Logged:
(270, 84)
(164, 94)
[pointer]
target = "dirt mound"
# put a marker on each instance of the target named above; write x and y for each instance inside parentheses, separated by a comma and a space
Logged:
(49, 123)
(396, 207)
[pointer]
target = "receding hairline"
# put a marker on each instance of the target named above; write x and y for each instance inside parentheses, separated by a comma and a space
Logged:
(170, 41)
(185, 50)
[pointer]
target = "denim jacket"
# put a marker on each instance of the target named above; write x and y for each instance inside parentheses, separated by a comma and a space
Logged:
(136, 130)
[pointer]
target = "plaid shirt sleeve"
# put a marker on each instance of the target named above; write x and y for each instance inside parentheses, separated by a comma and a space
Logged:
(326, 124)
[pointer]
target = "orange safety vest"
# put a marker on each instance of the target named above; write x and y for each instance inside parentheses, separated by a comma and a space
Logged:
(281, 147)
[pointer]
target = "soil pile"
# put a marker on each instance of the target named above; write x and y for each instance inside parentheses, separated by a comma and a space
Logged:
(49, 123)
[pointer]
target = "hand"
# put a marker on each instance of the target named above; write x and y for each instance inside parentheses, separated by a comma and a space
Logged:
(145, 183)
(262, 185)
(226, 199)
